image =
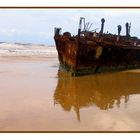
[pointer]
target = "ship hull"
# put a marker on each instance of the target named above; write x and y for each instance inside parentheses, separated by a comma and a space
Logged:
(82, 56)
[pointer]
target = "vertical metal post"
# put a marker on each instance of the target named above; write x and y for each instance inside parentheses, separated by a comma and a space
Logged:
(119, 31)
(102, 25)
(80, 25)
(57, 31)
(128, 29)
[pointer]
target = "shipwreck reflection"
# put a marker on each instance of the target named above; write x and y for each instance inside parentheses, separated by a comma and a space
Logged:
(105, 91)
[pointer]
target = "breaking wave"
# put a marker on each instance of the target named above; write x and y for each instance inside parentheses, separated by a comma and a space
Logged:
(17, 49)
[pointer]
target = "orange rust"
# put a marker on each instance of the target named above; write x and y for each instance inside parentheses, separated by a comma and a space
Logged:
(91, 52)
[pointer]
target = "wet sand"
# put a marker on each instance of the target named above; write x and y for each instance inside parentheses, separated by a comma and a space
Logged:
(36, 96)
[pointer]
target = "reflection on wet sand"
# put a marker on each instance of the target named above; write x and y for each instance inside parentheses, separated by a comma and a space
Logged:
(105, 91)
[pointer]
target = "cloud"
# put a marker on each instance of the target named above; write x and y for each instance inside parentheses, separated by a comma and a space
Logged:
(118, 12)
(40, 23)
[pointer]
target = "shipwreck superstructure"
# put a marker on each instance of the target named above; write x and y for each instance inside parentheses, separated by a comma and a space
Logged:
(92, 52)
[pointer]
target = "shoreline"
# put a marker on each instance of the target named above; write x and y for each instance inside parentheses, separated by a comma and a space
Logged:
(36, 97)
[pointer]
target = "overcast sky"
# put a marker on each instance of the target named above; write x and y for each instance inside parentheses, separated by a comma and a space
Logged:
(37, 25)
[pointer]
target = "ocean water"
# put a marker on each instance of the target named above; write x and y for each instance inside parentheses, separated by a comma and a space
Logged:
(16, 49)
(36, 96)
(101, 102)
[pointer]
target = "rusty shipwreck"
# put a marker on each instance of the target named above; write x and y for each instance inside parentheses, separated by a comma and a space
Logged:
(91, 52)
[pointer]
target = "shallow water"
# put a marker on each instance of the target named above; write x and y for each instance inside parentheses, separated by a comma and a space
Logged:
(101, 102)
(36, 96)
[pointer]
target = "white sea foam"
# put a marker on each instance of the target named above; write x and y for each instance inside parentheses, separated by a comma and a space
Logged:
(15, 49)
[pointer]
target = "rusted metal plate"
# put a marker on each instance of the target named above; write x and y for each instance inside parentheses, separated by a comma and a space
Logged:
(92, 52)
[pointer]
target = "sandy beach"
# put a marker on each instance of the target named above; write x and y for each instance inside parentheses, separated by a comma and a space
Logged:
(36, 96)
(27, 88)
